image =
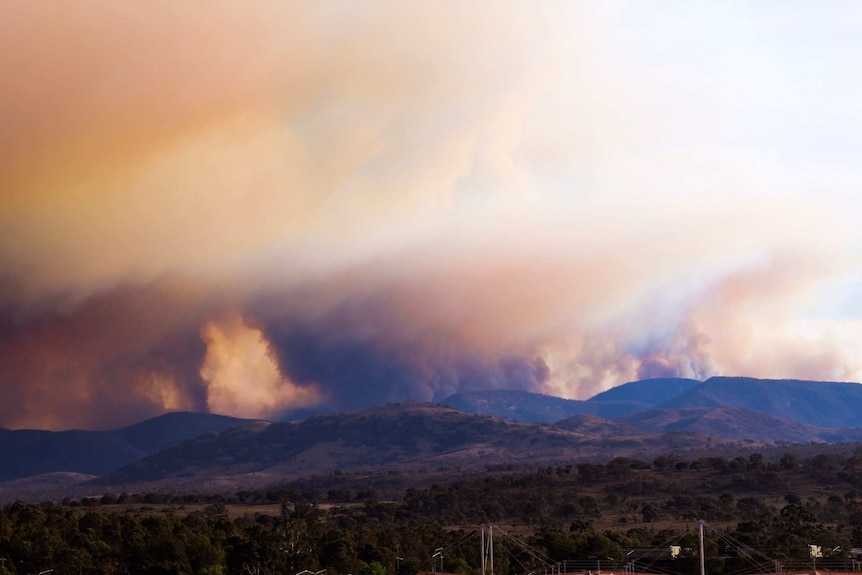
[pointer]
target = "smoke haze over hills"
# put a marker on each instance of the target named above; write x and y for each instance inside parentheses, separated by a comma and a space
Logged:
(271, 206)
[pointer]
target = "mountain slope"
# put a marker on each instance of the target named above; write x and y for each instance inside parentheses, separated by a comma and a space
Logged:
(805, 411)
(402, 435)
(729, 422)
(651, 392)
(736, 423)
(824, 404)
(515, 405)
(171, 428)
(536, 407)
(594, 425)
(32, 452)
(29, 452)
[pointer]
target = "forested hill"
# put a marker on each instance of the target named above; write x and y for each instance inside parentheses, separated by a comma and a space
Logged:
(397, 436)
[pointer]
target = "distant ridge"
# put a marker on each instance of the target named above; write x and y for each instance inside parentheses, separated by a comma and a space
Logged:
(820, 403)
(737, 423)
(169, 429)
(536, 407)
(491, 426)
(815, 403)
(29, 452)
(652, 392)
(298, 414)
(517, 405)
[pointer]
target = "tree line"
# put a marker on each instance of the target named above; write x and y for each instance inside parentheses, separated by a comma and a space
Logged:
(567, 511)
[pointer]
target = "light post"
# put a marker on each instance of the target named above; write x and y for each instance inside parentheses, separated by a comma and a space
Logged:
(437, 553)
(834, 551)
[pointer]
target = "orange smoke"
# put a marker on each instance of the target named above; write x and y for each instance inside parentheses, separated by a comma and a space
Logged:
(241, 373)
(272, 205)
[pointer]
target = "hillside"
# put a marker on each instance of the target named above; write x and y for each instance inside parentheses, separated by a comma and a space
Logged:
(651, 392)
(29, 452)
(406, 435)
(736, 423)
(516, 405)
(594, 425)
(625, 399)
(171, 428)
(32, 452)
(819, 404)
(536, 407)
(824, 404)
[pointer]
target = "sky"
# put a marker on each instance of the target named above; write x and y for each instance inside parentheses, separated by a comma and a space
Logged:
(254, 207)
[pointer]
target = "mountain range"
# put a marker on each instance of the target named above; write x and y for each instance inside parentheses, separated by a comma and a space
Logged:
(27, 452)
(822, 404)
(470, 430)
(407, 435)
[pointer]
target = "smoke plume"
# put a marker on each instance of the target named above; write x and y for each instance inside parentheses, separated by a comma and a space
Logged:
(259, 207)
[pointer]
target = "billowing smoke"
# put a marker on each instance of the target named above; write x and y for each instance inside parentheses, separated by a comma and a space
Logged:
(119, 357)
(242, 373)
(268, 206)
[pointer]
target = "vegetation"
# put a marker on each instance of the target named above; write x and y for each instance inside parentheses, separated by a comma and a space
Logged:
(583, 513)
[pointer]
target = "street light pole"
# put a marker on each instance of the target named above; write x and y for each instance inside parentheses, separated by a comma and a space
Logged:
(437, 553)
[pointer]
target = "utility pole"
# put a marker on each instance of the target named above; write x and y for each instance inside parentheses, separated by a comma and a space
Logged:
(700, 538)
(398, 559)
(491, 546)
(437, 553)
(486, 555)
(482, 549)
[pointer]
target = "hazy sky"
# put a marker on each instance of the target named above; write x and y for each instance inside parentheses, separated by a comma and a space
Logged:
(249, 207)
